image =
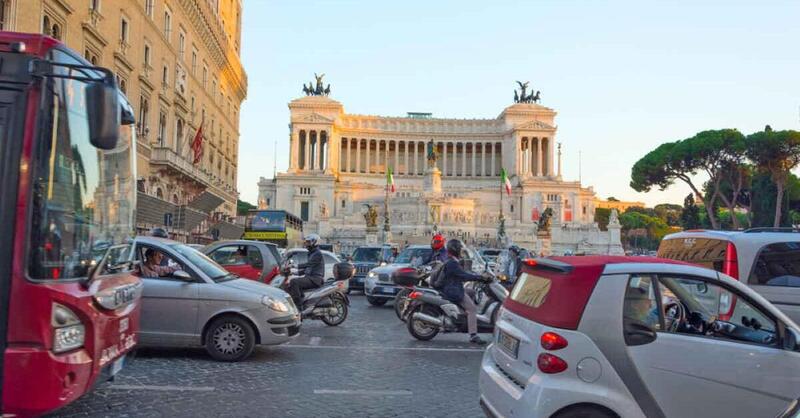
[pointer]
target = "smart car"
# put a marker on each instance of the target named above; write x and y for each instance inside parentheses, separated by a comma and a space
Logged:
(601, 336)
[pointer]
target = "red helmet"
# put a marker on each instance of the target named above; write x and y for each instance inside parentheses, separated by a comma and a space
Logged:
(437, 243)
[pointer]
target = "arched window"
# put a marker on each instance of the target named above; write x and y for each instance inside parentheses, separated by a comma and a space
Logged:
(159, 193)
(175, 199)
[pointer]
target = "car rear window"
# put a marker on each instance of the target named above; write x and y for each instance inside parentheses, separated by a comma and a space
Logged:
(778, 264)
(705, 252)
(552, 297)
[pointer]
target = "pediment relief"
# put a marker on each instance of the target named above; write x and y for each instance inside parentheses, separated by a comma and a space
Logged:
(535, 125)
(312, 118)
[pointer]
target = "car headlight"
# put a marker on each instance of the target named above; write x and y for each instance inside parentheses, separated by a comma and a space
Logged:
(372, 274)
(68, 331)
(275, 304)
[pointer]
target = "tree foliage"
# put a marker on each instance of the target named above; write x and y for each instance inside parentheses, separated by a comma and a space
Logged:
(242, 207)
(690, 213)
(601, 216)
(777, 153)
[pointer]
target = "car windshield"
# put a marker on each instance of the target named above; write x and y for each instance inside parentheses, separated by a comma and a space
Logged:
(367, 255)
(409, 254)
(203, 263)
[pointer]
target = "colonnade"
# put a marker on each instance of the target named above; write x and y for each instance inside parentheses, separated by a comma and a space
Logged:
(310, 150)
(535, 157)
(409, 157)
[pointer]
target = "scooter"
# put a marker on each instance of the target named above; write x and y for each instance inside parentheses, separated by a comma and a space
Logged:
(428, 314)
(414, 278)
(329, 302)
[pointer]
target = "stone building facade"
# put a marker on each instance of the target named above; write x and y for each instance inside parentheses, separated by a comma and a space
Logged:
(338, 164)
(178, 63)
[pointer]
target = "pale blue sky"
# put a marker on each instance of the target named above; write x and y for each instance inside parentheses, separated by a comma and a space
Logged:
(624, 76)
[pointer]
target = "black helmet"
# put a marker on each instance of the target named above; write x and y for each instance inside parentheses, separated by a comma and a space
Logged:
(514, 249)
(454, 247)
(159, 232)
(311, 241)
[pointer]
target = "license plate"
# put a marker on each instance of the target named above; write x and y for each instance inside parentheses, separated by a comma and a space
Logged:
(116, 366)
(508, 344)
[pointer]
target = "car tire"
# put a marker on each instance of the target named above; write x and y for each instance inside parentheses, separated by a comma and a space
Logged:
(376, 301)
(230, 338)
(399, 302)
(416, 328)
(585, 411)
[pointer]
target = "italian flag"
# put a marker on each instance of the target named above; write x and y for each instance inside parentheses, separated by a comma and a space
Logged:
(389, 180)
(504, 180)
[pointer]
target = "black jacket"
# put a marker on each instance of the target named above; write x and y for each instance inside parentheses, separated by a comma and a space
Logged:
(454, 278)
(314, 268)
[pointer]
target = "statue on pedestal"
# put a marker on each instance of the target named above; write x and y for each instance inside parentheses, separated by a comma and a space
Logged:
(545, 220)
(323, 210)
(432, 154)
(370, 215)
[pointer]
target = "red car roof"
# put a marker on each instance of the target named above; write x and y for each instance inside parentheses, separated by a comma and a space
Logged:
(602, 260)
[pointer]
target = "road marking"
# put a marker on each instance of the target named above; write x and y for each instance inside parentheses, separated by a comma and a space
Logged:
(314, 341)
(163, 388)
(342, 347)
(362, 392)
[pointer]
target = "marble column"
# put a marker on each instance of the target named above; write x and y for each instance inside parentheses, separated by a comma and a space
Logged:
(494, 159)
(474, 159)
(483, 159)
(416, 157)
(539, 157)
(549, 156)
(358, 155)
(307, 150)
(346, 142)
(396, 155)
(368, 168)
(444, 159)
(293, 138)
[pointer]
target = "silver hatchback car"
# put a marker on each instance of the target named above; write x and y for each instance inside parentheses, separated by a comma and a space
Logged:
(189, 300)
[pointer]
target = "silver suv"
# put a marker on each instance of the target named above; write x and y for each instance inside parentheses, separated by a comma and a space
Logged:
(766, 259)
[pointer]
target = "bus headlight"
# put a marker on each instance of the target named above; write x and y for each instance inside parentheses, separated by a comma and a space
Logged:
(68, 331)
(274, 304)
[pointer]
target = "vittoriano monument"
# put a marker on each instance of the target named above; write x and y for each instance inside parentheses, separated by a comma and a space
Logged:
(318, 90)
(523, 97)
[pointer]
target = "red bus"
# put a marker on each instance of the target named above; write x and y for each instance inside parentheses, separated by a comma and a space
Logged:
(69, 303)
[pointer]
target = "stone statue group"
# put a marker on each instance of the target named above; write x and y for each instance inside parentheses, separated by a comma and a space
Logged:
(523, 97)
(318, 90)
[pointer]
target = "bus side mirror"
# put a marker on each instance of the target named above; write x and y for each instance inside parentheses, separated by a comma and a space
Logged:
(104, 114)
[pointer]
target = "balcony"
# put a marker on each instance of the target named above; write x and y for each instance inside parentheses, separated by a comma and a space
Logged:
(168, 157)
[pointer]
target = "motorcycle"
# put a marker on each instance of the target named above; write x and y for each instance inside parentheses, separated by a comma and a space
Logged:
(414, 278)
(328, 303)
(428, 314)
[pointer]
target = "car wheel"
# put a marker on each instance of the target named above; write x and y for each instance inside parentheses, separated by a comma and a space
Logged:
(341, 308)
(585, 411)
(400, 302)
(419, 329)
(376, 301)
(230, 338)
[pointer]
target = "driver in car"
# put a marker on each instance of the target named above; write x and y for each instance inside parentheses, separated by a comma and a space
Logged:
(639, 307)
(152, 265)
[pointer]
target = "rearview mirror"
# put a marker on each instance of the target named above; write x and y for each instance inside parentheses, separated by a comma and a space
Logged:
(103, 111)
(182, 275)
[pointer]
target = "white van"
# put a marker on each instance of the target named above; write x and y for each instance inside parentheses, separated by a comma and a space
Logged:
(766, 259)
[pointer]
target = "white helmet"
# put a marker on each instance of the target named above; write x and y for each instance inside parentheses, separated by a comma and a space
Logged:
(311, 241)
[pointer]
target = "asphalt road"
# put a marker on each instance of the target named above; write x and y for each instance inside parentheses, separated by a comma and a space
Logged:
(367, 367)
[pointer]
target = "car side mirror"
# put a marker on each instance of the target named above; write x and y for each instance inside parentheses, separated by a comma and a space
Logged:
(638, 333)
(792, 341)
(104, 115)
(182, 275)
(702, 288)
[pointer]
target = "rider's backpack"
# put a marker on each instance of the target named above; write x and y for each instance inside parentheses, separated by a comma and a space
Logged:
(437, 276)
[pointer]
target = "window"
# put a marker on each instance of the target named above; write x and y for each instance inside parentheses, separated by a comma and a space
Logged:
(238, 255)
(181, 44)
(162, 128)
(149, 7)
(144, 114)
(205, 75)
(94, 5)
(51, 28)
(165, 76)
(123, 30)
(167, 24)
(70, 230)
(640, 304)
(147, 56)
(194, 61)
(5, 12)
(777, 264)
(304, 211)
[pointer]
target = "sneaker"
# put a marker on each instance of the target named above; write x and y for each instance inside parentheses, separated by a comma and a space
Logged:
(476, 340)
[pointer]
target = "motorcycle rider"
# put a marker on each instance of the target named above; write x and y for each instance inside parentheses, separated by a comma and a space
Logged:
(453, 290)
(439, 253)
(313, 271)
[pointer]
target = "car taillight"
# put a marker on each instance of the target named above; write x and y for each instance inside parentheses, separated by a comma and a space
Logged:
(406, 270)
(730, 265)
(531, 262)
(68, 331)
(414, 295)
(551, 364)
(552, 341)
